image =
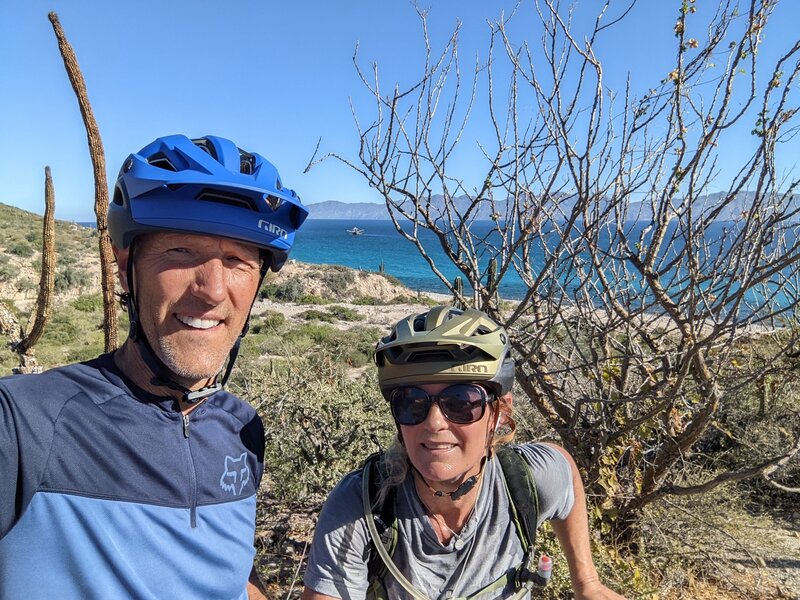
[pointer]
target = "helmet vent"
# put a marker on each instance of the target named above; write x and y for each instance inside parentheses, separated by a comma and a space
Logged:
(227, 198)
(209, 149)
(430, 356)
(247, 163)
(162, 162)
(274, 202)
(117, 199)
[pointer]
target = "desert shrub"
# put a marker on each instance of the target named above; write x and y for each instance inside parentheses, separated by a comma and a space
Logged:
(391, 279)
(344, 314)
(417, 299)
(6, 272)
(269, 320)
(88, 303)
(368, 301)
(74, 335)
(66, 259)
(744, 433)
(319, 333)
(291, 343)
(331, 314)
(313, 299)
(34, 238)
(319, 426)
(8, 359)
(313, 314)
(354, 347)
(62, 329)
(290, 290)
(89, 350)
(22, 249)
(338, 278)
(26, 284)
(68, 278)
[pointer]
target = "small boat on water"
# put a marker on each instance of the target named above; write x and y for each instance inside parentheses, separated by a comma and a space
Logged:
(355, 231)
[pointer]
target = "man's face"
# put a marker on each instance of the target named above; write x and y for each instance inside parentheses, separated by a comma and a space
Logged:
(194, 294)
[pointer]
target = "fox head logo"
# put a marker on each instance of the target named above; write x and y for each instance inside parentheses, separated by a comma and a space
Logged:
(236, 474)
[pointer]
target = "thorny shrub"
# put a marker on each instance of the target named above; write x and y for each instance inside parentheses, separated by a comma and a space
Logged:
(319, 424)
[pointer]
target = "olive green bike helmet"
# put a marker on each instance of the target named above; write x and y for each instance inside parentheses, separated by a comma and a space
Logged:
(445, 345)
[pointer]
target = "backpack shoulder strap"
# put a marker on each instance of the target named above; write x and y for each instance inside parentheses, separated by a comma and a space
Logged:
(524, 502)
(381, 515)
(382, 527)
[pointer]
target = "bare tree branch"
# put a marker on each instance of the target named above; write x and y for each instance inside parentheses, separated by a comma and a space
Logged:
(653, 290)
(765, 469)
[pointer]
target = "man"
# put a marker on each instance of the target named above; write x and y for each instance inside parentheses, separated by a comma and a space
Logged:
(134, 475)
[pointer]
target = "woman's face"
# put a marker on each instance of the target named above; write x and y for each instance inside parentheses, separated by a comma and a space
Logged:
(446, 453)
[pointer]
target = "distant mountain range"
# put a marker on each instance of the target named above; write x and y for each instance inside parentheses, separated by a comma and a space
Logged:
(639, 211)
(333, 209)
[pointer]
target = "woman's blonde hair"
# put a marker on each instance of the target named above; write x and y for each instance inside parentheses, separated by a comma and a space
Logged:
(396, 461)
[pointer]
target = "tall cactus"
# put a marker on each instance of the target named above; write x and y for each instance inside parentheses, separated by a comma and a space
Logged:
(47, 278)
(21, 343)
(493, 301)
(458, 293)
(100, 184)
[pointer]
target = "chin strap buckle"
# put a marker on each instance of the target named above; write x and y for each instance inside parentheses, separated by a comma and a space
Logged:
(204, 392)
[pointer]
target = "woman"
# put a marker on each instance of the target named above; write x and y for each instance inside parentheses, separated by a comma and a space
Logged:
(447, 375)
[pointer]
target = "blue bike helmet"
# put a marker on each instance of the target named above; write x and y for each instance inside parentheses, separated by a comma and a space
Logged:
(207, 186)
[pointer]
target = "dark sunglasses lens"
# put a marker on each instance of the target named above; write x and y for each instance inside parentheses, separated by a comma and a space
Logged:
(410, 405)
(463, 403)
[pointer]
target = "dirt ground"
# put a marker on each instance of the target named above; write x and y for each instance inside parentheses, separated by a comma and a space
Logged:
(761, 563)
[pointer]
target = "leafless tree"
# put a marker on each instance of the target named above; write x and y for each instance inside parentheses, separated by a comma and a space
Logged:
(649, 298)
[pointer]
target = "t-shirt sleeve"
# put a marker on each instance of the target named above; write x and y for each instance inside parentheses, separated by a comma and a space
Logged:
(9, 464)
(253, 435)
(553, 477)
(337, 564)
(26, 433)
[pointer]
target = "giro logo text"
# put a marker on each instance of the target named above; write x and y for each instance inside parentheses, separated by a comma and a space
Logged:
(273, 229)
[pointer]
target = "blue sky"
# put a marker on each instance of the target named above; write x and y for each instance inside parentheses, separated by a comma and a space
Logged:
(273, 77)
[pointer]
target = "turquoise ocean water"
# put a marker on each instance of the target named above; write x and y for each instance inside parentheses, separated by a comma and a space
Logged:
(327, 242)
(323, 241)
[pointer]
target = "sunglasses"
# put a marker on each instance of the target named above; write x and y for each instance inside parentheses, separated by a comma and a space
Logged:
(460, 403)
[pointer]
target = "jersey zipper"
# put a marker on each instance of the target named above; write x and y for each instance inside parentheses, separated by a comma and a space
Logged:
(192, 475)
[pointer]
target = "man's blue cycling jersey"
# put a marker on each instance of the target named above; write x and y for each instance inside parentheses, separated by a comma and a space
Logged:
(109, 492)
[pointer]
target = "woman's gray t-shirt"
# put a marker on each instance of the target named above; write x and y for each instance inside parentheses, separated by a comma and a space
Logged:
(487, 547)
